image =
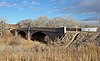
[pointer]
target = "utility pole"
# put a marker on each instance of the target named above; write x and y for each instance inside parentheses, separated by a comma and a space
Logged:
(76, 27)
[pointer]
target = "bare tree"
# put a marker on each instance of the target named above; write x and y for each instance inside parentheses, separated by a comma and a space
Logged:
(2, 25)
(72, 23)
(41, 21)
(44, 21)
(25, 23)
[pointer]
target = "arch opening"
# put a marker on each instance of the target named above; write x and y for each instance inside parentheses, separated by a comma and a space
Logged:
(22, 34)
(38, 36)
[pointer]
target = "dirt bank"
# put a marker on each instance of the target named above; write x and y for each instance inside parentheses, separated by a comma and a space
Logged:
(79, 38)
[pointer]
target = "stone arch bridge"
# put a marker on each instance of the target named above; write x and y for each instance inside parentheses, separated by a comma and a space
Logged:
(39, 33)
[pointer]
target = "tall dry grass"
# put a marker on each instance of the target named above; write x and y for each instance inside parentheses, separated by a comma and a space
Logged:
(19, 49)
(49, 53)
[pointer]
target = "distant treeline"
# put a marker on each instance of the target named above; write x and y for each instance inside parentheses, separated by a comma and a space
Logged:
(44, 21)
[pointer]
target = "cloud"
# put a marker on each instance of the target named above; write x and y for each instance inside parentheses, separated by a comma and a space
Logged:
(6, 4)
(92, 18)
(35, 3)
(89, 6)
(23, 4)
(57, 0)
(61, 2)
(34, 9)
(82, 7)
(19, 5)
(85, 6)
(28, 3)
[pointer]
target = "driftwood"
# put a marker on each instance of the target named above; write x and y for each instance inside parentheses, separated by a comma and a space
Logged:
(74, 37)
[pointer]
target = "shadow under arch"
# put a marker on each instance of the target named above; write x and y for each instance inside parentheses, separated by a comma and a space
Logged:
(22, 34)
(38, 36)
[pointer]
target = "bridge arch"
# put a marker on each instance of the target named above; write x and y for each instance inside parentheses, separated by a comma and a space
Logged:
(39, 36)
(22, 34)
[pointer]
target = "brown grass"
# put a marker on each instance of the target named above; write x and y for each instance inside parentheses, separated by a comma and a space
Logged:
(18, 49)
(49, 53)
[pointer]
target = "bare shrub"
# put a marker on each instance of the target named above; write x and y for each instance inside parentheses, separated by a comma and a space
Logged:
(2, 23)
